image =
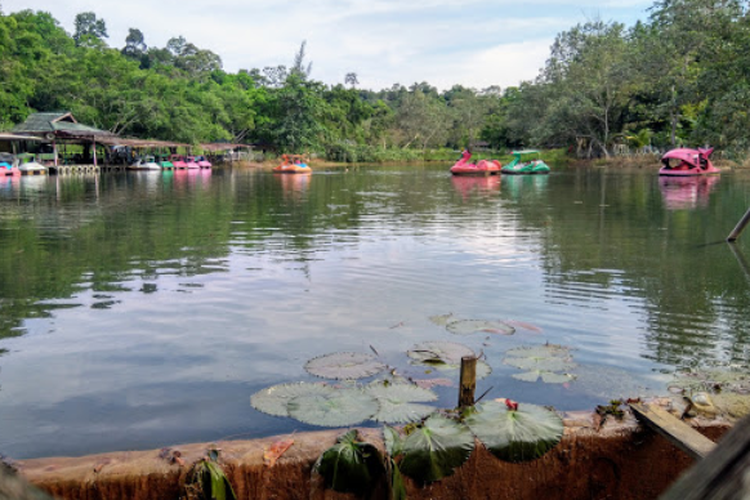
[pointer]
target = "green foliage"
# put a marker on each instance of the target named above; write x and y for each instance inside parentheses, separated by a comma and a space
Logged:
(516, 432)
(433, 449)
(351, 465)
(207, 481)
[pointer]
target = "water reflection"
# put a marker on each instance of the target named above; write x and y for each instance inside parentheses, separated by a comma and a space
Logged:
(517, 186)
(293, 186)
(469, 186)
(681, 193)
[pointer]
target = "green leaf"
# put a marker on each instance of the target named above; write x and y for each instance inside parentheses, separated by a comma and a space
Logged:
(337, 409)
(208, 481)
(516, 435)
(344, 365)
(274, 400)
(398, 488)
(435, 449)
(400, 402)
(541, 362)
(350, 466)
(439, 352)
(442, 319)
(394, 444)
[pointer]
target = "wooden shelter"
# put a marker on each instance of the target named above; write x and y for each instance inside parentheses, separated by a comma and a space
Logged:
(61, 127)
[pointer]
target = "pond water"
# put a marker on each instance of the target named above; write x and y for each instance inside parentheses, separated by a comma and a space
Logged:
(141, 310)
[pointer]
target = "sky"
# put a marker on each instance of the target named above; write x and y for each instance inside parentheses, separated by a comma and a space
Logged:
(474, 43)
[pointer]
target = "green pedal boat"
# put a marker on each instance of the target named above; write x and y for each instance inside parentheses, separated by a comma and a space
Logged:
(525, 162)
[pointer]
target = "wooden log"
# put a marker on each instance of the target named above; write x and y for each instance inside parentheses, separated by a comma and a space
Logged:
(723, 475)
(739, 227)
(676, 431)
(468, 382)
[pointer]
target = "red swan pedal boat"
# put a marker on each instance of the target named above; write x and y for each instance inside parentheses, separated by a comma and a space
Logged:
(483, 167)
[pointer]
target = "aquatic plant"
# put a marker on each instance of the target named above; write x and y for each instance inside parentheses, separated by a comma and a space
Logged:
(516, 432)
(552, 363)
(351, 465)
(344, 365)
(206, 480)
(446, 355)
(400, 402)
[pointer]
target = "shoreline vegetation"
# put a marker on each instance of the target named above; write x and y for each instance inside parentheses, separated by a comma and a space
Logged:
(554, 157)
(605, 91)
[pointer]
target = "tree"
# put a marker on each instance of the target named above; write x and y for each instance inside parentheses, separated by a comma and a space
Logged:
(300, 109)
(467, 112)
(351, 79)
(299, 68)
(589, 87)
(422, 119)
(89, 31)
(135, 46)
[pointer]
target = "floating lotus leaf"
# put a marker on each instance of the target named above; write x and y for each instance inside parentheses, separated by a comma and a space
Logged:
(442, 319)
(468, 326)
(350, 466)
(274, 400)
(540, 364)
(444, 355)
(400, 402)
(340, 408)
(440, 352)
(516, 435)
(344, 365)
(547, 377)
(435, 449)
(544, 351)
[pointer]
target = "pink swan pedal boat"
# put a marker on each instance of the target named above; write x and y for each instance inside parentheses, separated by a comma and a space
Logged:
(481, 168)
(684, 162)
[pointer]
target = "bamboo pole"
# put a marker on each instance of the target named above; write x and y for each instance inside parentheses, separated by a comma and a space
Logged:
(739, 227)
(468, 382)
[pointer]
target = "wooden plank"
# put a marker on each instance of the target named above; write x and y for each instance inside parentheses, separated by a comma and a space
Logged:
(676, 431)
(723, 475)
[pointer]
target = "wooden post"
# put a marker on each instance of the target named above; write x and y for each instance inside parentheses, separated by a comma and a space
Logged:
(468, 382)
(739, 227)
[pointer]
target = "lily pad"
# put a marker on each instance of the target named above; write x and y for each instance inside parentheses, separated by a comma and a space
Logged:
(445, 355)
(545, 362)
(344, 365)
(440, 352)
(274, 400)
(547, 377)
(351, 465)
(544, 351)
(519, 435)
(469, 326)
(442, 319)
(401, 402)
(341, 408)
(435, 449)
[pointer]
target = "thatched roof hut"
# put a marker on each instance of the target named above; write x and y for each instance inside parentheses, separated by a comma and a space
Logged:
(61, 125)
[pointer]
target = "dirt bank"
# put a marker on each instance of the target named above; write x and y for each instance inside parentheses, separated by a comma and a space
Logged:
(622, 460)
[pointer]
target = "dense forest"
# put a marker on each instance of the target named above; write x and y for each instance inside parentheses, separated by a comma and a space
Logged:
(680, 77)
